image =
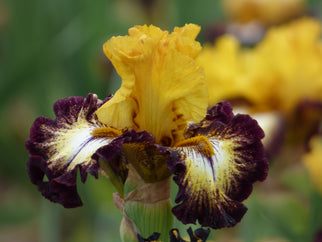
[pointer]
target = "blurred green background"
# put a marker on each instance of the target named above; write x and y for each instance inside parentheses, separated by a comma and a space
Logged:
(53, 49)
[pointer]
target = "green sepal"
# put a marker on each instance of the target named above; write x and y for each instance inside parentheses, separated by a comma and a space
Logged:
(130, 186)
(151, 217)
(127, 231)
(148, 205)
(113, 177)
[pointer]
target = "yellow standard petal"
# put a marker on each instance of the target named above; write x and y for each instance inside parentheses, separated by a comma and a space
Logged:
(162, 86)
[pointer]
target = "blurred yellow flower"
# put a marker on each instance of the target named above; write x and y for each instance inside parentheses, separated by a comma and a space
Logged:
(266, 12)
(223, 69)
(313, 162)
(293, 55)
(162, 85)
(283, 69)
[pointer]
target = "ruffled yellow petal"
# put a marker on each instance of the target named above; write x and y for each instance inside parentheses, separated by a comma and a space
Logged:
(162, 86)
(313, 162)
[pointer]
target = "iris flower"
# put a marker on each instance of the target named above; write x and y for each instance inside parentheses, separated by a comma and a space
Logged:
(157, 125)
(265, 12)
(274, 79)
(282, 70)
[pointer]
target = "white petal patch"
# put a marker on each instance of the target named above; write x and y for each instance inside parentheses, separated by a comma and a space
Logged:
(224, 164)
(59, 148)
(73, 145)
(218, 175)
(216, 170)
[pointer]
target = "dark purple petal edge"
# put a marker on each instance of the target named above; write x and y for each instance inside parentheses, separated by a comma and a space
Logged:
(218, 118)
(59, 186)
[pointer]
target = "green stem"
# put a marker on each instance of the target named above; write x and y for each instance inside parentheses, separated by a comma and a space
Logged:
(146, 208)
(148, 218)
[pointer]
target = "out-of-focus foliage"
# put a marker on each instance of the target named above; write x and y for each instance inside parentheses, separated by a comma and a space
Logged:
(53, 49)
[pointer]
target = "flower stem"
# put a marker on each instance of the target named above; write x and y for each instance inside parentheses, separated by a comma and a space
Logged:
(146, 208)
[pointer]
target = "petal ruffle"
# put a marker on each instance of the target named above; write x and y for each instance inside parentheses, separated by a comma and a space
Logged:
(216, 166)
(59, 147)
(162, 86)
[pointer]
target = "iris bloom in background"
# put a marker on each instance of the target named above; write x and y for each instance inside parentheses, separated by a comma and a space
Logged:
(248, 20)
(277, 74)
(264, 12)
(279, 80)
(156, 126)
